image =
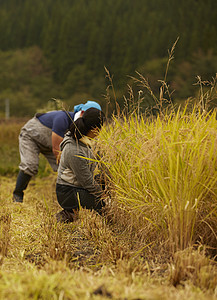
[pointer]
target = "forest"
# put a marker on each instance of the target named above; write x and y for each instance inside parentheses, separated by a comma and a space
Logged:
(59, 49)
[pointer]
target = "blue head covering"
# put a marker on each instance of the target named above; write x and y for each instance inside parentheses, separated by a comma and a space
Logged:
(87, 105)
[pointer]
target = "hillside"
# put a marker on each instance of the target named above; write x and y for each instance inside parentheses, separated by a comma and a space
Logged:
(76, 39)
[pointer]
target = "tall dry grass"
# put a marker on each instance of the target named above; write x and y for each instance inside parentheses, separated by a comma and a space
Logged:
(162, 170)
(164, 177)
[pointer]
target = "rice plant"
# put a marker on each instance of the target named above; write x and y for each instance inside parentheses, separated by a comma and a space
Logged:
(165, 171)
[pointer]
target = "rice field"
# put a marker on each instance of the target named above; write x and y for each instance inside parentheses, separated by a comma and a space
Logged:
(158, 239)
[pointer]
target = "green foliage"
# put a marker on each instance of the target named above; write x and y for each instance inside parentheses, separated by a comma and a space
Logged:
(25, 79)
(184, 79)
(79, 38)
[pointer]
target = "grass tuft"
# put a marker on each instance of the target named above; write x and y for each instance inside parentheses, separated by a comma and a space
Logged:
(194, 265)
(5, 224)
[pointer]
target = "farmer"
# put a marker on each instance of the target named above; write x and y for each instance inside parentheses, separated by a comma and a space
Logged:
(76, 185)
(43, 134)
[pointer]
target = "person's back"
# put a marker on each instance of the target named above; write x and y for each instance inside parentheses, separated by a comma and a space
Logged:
(75, 181)
(76, 164)
(58, 120)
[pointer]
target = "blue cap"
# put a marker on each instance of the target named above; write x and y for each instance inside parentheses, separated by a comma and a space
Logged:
(87, 105)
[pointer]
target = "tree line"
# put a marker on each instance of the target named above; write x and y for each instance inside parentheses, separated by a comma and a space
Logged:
(78, 38)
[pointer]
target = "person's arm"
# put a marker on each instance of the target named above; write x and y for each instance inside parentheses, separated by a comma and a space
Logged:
(56, 140)
(59, 127)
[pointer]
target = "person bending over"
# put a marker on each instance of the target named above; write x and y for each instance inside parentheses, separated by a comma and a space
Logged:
(43, 134)
(75, 184)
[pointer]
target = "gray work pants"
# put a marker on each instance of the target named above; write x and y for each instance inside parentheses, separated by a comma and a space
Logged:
(35, 138)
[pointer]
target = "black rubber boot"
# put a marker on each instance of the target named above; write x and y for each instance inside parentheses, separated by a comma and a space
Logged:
(22, 183)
